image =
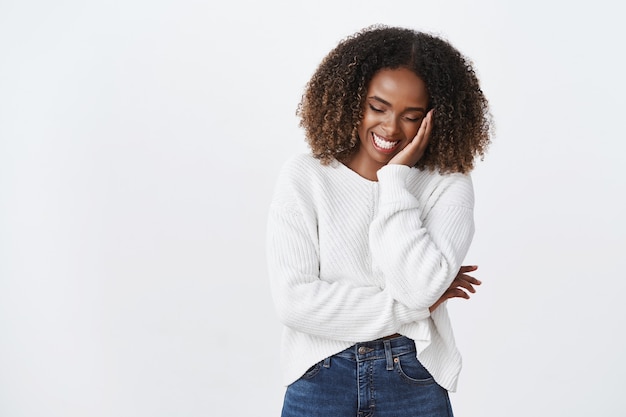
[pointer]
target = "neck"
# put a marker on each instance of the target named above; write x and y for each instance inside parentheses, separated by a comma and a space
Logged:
(364, 167)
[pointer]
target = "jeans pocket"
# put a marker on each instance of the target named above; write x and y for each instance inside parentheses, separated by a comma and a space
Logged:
(412, 371)
(312, 371)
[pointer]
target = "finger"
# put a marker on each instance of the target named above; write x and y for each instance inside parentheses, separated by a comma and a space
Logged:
(424, 131)
(457, 284)
(469, 279)
(468, 268)
(429, 127)
(456, 293)
(467, 284)
(421, 139)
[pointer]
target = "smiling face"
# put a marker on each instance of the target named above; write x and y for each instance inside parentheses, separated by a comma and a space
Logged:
(395, 106)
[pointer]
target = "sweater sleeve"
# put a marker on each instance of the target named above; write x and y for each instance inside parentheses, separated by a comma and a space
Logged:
(308, 304)
(420, 258)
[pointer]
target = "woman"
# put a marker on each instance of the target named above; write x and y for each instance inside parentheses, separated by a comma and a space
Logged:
(367, 233)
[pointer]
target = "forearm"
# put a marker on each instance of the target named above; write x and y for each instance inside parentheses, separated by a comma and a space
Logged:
(418, 258)
(307, 303)
(340, 312)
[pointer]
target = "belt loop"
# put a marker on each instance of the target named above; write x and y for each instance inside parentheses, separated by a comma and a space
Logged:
(388, 355)
(327, 362)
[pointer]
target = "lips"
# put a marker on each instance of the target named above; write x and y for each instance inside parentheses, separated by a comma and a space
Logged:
(384, 145)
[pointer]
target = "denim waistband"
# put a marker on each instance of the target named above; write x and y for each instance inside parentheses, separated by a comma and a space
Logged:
(378, 349)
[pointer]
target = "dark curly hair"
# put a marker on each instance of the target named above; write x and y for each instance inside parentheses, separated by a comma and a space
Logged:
(333, 101)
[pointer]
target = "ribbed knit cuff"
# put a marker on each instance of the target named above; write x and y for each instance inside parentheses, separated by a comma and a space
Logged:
(402, 313)
(392, 184)
(405, 316)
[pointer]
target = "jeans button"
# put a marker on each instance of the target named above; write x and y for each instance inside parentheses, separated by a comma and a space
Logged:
(362, 350)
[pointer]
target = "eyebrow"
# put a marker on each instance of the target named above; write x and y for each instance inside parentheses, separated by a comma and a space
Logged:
(385, 102)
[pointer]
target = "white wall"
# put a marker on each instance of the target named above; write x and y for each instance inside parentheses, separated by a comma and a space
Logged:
(139, 144)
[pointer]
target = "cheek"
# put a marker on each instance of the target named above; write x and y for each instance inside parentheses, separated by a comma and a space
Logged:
(410, 133)
(363, 127)
(368, 121)
(411, 129)
(362, 133)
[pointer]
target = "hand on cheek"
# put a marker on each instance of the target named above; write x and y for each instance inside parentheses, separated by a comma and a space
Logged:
(414, 150)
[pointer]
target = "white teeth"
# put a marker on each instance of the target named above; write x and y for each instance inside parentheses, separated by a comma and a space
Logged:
(382, 143)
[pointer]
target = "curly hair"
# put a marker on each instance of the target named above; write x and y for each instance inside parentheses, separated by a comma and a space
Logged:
(333, 100)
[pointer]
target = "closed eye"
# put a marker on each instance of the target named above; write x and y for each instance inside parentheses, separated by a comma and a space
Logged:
(376, 109)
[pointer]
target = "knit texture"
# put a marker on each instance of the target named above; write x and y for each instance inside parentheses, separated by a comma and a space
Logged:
(352, 260)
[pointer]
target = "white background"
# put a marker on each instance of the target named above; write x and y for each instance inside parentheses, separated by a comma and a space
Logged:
(139, 145)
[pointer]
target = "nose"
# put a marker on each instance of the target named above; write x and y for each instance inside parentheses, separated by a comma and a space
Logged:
(391, 125)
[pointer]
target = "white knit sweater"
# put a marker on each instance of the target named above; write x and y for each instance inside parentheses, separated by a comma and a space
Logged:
(352, 260)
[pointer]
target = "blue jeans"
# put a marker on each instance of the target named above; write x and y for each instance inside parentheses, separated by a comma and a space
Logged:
(381, 378)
